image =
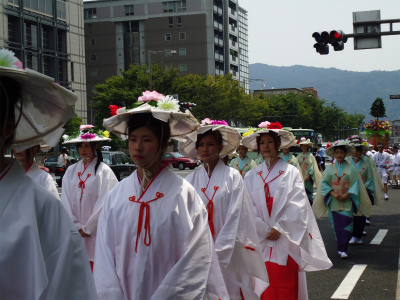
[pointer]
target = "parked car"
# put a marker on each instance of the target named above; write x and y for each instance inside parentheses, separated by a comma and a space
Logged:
(51, 163)
(120, 163)
(179, 161)
(59, 170)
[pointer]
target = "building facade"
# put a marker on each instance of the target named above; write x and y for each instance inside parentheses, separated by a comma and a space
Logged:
(395, 137)
(196, 36)
(47, 36)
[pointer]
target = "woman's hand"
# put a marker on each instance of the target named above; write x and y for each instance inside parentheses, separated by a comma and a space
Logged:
(83, 234)
(335, 195)
(307, 177)
(273, 235)
(344, 197)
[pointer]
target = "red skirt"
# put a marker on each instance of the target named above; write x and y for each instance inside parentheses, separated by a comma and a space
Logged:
(283, 281)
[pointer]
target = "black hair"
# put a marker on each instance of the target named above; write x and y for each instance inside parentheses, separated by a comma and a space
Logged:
(97, 151)
(10, 93)
(64, 150)
(159, 128)
(275, 137)
(214, 133)
(359, 148)
(341, 147)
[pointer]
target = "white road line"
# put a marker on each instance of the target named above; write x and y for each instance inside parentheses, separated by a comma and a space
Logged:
(349, 282)
(379, 237)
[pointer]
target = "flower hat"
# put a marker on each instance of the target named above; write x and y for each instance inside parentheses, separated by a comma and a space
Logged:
(164, 108)
(230, 138)
(357, 141)
(250, 139)
(87, 133)
(350, 148)
(304, 141)
(46, 106)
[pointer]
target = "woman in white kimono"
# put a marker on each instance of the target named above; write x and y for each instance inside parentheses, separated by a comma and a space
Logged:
(242, 162)
(342, 191)
(41, 253)
(153, 240)
(230, 215)
(308, 168)
(288, 233)
(85, 185)
(27, 159)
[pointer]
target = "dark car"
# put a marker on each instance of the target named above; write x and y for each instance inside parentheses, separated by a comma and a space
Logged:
(119, 162)
(51, 163)
(59, 170)
(179, 161)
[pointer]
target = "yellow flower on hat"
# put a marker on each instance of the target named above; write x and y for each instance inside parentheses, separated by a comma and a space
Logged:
(106, 134)
(248, 132)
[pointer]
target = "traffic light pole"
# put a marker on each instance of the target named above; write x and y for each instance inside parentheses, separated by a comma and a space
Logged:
(374, 34)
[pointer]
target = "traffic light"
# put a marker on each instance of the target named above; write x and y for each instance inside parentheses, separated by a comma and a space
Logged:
(186, 105)
(322, 39)
(338, 38)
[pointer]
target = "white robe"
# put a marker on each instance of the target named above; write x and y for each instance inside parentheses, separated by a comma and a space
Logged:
(43, 178)
(85, 212)
(41, 253)
(292, 216)
(236, 239)
(177, 263)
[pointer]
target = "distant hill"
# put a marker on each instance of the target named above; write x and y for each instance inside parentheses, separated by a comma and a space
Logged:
(356, 90)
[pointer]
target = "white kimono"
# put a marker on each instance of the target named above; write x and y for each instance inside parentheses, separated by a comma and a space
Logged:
(234, 230)
(43, 178)
(291, 215)
(156, 246)
(41, 253)
(84, 201)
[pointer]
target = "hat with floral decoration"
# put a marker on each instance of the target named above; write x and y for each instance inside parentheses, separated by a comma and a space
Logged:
(87, 133)
(304, 141)
(230, 138)
(357, 141)
(164, 108)
(44, 107)
(250, 139)
(350, 148)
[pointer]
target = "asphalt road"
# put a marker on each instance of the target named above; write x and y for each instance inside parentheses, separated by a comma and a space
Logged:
(372, 270)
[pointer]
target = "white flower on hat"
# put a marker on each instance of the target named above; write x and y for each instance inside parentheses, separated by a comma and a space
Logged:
(8, 59)
(168, 103)
(65, 137)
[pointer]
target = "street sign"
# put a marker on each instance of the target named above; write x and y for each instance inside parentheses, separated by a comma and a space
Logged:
(394, 97)
(364, 17)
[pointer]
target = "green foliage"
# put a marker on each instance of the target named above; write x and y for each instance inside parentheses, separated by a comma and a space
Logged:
(378, 109)
(72, 125)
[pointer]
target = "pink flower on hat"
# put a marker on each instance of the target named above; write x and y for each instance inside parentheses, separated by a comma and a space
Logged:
(264, 124)
(206, 121)
(216, 122)
(148, 96)
(88, 136)
(83, 127)
(303, 139)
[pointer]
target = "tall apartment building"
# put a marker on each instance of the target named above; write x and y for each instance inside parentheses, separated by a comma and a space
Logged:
(197, 36)
(47, 36)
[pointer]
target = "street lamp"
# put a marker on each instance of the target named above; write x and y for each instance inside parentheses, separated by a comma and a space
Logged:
(149, 53)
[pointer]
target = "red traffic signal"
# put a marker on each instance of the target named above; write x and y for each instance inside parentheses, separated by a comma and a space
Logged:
(338, 38)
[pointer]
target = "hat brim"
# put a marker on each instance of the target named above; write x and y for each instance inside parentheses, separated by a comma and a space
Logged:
(331, 150)
(46, 107)
(230, 140)
(179, 122)
(364, 147)
(287, 138)
(93, 140)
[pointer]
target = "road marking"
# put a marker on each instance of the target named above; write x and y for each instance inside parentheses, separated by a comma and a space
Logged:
(349, 282)
(379, 237)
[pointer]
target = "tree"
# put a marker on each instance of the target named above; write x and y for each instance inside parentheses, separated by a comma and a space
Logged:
(72, 125)
(378, 109)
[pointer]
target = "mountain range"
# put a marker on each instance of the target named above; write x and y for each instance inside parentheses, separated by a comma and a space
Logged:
(352, 91)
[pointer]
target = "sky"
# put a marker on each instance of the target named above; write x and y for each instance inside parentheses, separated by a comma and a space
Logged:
(280, 33)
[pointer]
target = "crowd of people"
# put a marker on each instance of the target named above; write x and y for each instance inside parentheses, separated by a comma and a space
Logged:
(246, 230)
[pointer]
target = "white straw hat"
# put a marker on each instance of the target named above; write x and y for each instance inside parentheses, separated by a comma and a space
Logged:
(350, 149)
(87, 133)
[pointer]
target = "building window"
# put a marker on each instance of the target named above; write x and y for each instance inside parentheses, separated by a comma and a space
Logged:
(170, 22)
(62, 41)
(168, 37)
(32, 61)
(72, 72)
(61, 13)
(129, 10)
(15, 2)
(182, 51)
(92, 56)
(183, 67)
(90, 28)
(179, 22)
(31, 38)
(90, 13)
(93, 73)
(182, 35)
(168, 52)
(174, 6)
(92, 42)
(47, 37)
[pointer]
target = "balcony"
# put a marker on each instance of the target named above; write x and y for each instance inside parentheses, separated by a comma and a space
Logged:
(219, 57)
(218, 41)
(218, 10)
(235, 74)
(234, 60)
(218, 25)
(233, 44)
(219, 72)
(232, 13)
(233, 29)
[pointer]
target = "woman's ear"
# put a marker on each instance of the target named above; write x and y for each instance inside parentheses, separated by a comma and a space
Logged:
(220, 148)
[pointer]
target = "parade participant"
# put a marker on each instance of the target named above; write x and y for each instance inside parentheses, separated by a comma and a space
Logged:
(27, 159)
(321, 152)
(86, 184)
(342, 191)
(230, 212)
(242, 163)
(374, 189)
(289, 237)
(41, 253)
(396, 167)
(309, 168)
(289, 157)
(390, 170)
(381, 160)
(153, 240)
